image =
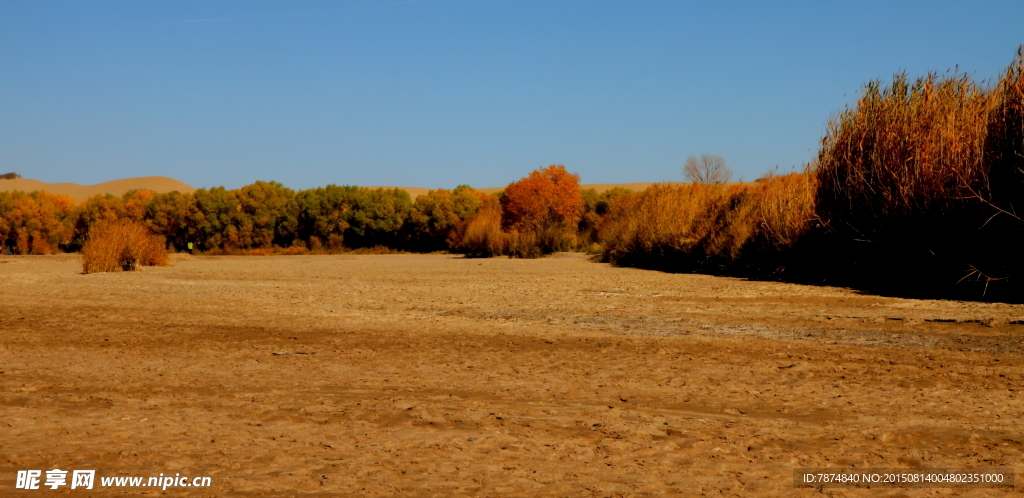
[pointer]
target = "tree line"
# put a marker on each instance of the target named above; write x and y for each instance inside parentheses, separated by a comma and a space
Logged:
(267, 215)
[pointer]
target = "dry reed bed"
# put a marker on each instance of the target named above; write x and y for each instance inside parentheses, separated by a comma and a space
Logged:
(702, 226)
(917, 184)
(914, 189)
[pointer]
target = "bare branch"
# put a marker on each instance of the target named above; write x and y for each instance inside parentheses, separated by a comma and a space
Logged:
(708, 169)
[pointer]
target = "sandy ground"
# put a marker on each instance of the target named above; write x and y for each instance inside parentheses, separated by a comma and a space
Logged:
(434, 375)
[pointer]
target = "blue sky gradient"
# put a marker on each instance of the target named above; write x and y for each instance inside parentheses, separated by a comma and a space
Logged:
(437, 93)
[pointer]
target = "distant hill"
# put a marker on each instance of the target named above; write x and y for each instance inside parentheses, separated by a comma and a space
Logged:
(599, 187)
(157, 184)
(161, 184)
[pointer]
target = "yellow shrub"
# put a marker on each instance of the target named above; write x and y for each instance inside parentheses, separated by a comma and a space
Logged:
(122, 245)
(482, 235)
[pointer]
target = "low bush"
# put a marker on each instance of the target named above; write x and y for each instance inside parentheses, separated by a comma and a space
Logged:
(484, 236)
(122, 245)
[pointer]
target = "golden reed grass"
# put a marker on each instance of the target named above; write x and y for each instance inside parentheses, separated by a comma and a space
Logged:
(928, 176)
(923, 149)
(919, 183)
(122, 245)
(903, 152)
(708, 224)
(482, 236)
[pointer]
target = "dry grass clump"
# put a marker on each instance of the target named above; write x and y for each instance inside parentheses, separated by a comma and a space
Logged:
(482, 236)
(785, 207)
(659, 222)
(122, 245)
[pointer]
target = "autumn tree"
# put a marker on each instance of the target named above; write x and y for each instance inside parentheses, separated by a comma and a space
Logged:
(437, 217)
(596, 209)
(135, 203)
(324, 213)
(359, 217)
(36, 222)
(548, 197)
(707, 169)
(212, 217)
(96, 209)
(168, 214)
(267, 215)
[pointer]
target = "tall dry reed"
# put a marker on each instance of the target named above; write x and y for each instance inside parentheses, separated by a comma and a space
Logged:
(709, 226)
(918, 189)
(482, 235)
(920, 184)
(904, 152)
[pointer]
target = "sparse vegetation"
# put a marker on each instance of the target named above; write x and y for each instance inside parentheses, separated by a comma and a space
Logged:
(10, 176)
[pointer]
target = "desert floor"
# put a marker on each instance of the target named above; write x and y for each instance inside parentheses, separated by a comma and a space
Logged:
(435, 375)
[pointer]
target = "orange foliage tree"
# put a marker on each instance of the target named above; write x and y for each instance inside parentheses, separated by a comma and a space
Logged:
(36, 222)
(136, 202)
(547, 198)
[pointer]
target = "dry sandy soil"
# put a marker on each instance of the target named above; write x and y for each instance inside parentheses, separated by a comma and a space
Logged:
(434, 375)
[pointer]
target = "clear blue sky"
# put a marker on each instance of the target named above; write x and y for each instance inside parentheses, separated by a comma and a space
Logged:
(436, 93)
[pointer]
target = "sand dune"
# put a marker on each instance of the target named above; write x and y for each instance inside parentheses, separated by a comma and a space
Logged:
(414, 192)
(158, 184)
(161, 184)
